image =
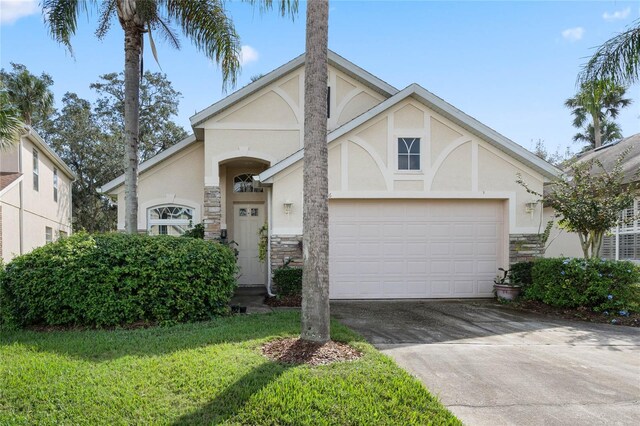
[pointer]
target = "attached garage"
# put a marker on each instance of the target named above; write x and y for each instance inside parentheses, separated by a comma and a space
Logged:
(383, 249)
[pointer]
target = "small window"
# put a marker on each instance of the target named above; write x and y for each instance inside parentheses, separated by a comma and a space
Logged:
(48, 234)
(170, 220)
(55, 185)
(63, 234)
(409, 154)
(329, 102)
(244, 183)
(36, 171)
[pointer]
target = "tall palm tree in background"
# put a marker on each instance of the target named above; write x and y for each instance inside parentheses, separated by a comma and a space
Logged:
(599, 101)
(609, 130)
(28, 94)
(205, 23)
(315, 277)
(617, 59)
(10, 123)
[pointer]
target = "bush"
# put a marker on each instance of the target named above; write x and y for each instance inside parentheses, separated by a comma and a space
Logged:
(594, 283)
(288, 281)
(116, 279)
(521, 273)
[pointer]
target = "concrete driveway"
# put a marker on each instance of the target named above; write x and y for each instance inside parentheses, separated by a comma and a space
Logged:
(493, 366)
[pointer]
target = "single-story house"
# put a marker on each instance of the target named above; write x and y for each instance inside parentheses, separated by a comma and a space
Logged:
(35, 196)
(423, 198)
(623, 243)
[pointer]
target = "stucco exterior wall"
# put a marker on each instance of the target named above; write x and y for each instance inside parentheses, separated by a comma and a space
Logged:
(561, 243)
(40, 210)
(454, 164)
(177, 180)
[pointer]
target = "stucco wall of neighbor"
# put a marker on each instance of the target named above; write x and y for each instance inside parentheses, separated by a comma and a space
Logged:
(177, 180)
(268, 125)
(10, 160)
(454, 164)
(40, 208)
(561, 243)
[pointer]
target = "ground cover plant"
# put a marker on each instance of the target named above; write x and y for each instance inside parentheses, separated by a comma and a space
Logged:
(201, 373)
(116, 279)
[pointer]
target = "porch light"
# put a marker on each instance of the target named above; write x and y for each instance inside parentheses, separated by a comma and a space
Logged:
(530, 207)
(287, 207)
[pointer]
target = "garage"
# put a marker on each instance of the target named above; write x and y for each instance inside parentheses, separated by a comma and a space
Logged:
(382, 249)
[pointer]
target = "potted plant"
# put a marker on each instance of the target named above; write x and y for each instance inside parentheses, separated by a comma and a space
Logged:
(503, 287)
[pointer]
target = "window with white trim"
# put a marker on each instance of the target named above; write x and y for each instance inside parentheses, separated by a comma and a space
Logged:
(55, 185)
(244, 183)
(408, 153)
(36, 171)
(624, 241)
(169, 220)
(48, 234)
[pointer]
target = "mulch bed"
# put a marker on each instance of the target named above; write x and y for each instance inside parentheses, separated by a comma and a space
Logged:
(295, 351)
(284, 301)
(582, 314)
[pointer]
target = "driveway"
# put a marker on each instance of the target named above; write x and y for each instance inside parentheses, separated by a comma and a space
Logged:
(493, 366)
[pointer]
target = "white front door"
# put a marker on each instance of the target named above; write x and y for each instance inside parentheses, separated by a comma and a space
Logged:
(248, 218)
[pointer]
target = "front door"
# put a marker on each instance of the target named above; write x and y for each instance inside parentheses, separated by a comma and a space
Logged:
(248, 218)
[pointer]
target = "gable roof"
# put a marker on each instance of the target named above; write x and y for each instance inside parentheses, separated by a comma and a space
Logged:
(443, 108)
(335, 60)
(183, 144)
(609, 154)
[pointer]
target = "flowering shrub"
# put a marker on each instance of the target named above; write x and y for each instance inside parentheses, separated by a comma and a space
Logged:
(604, 285)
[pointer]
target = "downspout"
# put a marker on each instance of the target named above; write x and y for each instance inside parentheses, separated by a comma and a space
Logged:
(21, 198)
(269, 226)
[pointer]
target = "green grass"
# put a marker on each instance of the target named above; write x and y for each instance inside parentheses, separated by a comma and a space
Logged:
(203, 373)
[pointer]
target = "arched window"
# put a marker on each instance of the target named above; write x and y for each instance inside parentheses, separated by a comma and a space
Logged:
(169, 220)
(244, 183)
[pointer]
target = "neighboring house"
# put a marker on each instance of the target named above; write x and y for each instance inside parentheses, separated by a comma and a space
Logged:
(423, 198)
(35, 196)
(624, 241)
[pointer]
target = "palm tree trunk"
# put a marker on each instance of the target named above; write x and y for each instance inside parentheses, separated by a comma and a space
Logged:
(597, 131)
(315, 279)
(132, 51)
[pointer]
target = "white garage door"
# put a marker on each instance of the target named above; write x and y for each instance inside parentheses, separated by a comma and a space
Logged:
(414, 248)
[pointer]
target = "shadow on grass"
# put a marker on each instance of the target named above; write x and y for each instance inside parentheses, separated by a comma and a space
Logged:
(104, 345)
(234, 398)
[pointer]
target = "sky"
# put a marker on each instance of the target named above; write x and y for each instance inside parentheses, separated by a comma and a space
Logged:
(509, 64)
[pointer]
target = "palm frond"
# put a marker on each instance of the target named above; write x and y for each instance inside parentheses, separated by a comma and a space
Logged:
(10, 124)
(167, 32)
(617, 59)
(211, 31)
(61, 16)
(285, 7)
(107, 11)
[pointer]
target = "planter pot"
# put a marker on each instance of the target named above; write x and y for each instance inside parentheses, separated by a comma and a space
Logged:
(507, 292)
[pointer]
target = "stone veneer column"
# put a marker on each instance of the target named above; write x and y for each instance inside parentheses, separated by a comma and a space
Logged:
(212, 214)
(285, 247)
(525, 247)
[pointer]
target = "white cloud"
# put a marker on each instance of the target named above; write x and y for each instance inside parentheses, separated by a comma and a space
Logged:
(617, 15)
(12, 10)
(247, 55)
(573, 34)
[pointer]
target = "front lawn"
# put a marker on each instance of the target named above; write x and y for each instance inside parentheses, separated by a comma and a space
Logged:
(203, 373)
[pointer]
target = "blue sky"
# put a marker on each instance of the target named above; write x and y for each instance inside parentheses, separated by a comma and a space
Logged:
(510, 65)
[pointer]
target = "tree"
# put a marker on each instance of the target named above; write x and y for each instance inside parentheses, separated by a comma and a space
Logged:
(315, 278)
(29, 94)
(553, 158)
(599, 101)
(617, 59)
(10, 123)
(204, 22)
(74, 133)
(610, 130)
(158, 104)
(588, 200)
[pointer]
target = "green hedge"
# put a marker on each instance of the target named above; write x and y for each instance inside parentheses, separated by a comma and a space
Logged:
(116, 279)
(288, 281)
(603, 285)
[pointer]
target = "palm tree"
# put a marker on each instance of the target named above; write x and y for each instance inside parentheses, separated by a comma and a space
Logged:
(315, 277)
(599, 101)
(204, 22)
(10, 123)
(610, 131)
(29, 94)
(617, 59)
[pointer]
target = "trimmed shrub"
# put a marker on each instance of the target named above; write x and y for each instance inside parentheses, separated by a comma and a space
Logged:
(521, 273)
(288, 281)
(115, 279)
(595, 283)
